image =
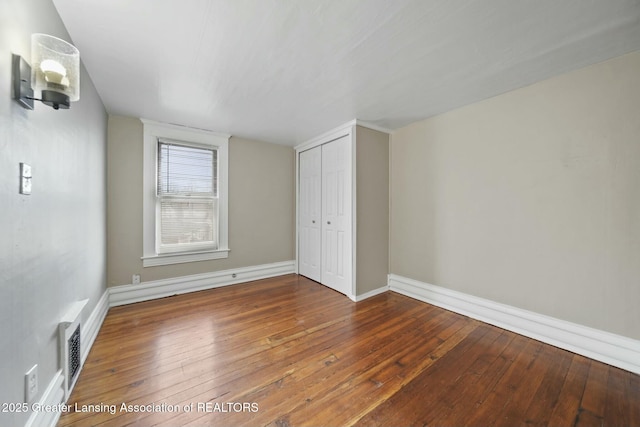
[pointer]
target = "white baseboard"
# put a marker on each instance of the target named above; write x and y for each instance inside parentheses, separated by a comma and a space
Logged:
(128, 294)
(606, 347)
(373, 293)
(91, 326)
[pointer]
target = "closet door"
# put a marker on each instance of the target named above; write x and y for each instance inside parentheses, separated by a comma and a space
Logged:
(309, 212)
(336, 215)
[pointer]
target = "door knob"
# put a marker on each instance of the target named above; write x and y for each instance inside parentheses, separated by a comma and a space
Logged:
(329, 222)
(313, 221)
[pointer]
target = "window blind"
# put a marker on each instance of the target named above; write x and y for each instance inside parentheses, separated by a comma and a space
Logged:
(185, 170)
(187, 197)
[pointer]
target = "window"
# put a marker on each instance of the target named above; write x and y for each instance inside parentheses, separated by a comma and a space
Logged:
(185, 185)
(187, 203)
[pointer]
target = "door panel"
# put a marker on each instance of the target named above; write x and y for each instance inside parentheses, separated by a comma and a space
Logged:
(310, 215)
(336, 215)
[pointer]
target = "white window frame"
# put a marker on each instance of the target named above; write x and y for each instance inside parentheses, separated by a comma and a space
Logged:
(197, 137)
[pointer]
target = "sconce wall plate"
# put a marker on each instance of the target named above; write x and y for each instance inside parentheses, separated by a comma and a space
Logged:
(22, 91)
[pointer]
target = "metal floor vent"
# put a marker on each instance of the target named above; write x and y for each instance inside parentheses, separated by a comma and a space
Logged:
(70, 346)
(73, 348)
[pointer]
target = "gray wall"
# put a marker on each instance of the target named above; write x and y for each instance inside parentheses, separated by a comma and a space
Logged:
(261, 206)
(531, 198)
(52, 244)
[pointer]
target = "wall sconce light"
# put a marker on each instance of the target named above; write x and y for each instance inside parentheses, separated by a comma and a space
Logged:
(54, 78)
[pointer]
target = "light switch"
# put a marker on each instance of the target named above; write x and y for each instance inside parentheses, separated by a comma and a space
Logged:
(25, 178)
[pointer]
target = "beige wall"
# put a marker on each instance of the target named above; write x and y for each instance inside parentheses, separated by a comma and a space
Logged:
(52, 242)
(372, 209)
(261, 206)
(531, 198)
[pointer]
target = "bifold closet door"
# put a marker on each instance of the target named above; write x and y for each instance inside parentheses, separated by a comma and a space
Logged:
(336, 215)
(310, 214)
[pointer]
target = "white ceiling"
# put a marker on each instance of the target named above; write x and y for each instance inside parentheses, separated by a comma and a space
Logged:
(284, 71)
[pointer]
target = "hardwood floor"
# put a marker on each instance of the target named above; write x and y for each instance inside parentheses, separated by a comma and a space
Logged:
(290, 352)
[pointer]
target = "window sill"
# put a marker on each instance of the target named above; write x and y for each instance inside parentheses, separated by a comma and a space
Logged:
(179, 258)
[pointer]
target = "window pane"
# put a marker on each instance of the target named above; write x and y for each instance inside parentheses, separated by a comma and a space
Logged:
(188, 221)
(186, 170)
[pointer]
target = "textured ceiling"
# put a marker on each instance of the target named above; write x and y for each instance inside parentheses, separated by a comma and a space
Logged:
(284, 71)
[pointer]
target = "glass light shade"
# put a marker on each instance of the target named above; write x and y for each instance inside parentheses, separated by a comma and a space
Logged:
(55, 66)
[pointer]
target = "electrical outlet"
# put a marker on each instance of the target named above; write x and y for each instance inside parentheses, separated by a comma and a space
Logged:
(31, 384)
(135, 279)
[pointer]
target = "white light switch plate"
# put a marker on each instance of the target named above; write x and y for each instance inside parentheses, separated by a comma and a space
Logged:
(25, 178)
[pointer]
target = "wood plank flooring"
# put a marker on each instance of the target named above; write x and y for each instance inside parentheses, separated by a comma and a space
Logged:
(290, 352)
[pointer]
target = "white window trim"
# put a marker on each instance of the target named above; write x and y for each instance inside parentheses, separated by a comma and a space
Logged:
(153, 131)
